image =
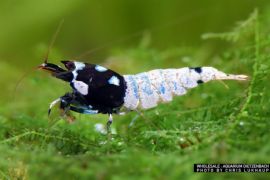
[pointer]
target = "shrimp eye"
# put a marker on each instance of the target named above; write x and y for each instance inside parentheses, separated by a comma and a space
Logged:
(69, 65)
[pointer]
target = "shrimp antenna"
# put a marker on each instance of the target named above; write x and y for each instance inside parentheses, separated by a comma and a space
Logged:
(45, 59)
(53, 40)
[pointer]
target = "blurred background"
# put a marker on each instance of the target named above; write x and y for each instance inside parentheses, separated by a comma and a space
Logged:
(27, 26)
(128, 37)
(110, 33)
(92, 30)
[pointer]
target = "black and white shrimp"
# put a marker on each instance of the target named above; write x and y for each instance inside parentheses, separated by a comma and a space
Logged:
(96, 89)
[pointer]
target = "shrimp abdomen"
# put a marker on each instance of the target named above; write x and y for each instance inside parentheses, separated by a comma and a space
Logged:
(146, 90)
